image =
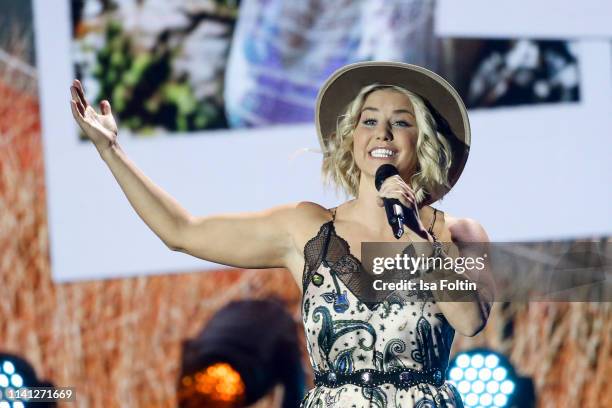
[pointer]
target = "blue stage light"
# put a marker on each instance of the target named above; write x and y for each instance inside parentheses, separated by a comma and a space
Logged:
(456, 374)
(10, 380)
(478, 386)
(16, 373)
(483, 378)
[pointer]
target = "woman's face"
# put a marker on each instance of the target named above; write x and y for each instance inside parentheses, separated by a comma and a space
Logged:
(386, 133)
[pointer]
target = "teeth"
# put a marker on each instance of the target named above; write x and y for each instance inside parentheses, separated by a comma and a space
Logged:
(381, 153)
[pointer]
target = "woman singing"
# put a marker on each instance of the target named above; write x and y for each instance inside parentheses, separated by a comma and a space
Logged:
(392, 353)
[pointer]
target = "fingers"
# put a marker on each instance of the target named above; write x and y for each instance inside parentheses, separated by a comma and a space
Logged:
(400, 195)
(76, 100)
(75, 112)
(77, 115)
(80, 94)
(395, 187)
(105, 107)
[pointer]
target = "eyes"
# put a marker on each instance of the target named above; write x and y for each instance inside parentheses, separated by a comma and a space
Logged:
(370, 122)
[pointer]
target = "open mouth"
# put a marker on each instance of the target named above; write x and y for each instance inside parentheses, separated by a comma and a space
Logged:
(381, 153)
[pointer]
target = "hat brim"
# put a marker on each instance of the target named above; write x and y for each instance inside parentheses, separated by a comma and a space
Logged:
(344, 84)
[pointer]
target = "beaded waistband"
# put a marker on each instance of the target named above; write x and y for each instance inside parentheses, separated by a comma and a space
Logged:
(400, 377)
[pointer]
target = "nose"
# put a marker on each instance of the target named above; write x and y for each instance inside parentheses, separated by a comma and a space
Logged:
(384, 133)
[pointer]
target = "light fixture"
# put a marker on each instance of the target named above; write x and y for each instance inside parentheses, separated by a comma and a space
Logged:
(485, 378)
(241, 354)
(15, 373)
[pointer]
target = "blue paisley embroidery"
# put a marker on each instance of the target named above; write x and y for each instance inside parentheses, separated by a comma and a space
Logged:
(425, 403)
(306, 310)
(378, 360)
(387, 305)
(332, 330)
(343, 363)
(425, 345)
(376, 396)
(332, 399)
(390, 358)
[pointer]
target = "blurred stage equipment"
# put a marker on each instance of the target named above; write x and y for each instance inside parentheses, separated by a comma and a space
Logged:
(485, 378)
(241, 354)
(16, 373)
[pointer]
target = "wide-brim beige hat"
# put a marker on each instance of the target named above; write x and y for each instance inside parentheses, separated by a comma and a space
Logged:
(448, 108)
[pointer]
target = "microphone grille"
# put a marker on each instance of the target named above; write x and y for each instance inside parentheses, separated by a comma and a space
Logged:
(383, 172)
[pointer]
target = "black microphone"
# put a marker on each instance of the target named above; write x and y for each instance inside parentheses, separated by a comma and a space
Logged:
(397, 214)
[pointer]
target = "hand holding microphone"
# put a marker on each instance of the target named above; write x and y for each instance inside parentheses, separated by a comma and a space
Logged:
(399, 201)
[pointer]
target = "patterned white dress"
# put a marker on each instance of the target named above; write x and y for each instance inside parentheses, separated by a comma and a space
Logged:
(391, 354)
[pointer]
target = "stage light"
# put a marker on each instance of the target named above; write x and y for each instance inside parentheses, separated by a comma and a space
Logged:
(456, 374)
(477, 361)
(471, 374)
(499, 373)
(486, 399)
(15, 373)
(485, 378)
(217, 385)
(462, 361)
(464, 387)
(491, 361)
(478, 386)
(507, 387)
(236, 360)
(471, 399)
(500, 400)
(484, 374)
(492, 387)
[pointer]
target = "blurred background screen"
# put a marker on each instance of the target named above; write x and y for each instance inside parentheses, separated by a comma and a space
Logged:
(199, 87)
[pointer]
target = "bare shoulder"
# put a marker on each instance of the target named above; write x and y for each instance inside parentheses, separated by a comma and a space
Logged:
(308, 217)
(297, 213)
(465, 229)
(296, 218)
(309, 208)
(305, 224)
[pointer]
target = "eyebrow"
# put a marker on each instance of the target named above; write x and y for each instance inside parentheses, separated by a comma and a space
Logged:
(395, 111)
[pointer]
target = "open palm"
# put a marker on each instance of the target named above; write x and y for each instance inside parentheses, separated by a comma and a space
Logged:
(100, 128)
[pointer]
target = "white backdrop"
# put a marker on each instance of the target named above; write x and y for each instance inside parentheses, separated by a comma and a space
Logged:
(584, 19)
(538, 172)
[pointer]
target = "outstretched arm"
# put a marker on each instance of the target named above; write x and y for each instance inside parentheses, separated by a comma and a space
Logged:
(248, 240)
(256, 240)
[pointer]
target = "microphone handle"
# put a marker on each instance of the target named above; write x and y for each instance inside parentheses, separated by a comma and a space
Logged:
(395, 216)
(400, 215)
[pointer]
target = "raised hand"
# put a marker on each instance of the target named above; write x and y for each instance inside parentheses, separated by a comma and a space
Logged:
(100, 128)
(396, 187)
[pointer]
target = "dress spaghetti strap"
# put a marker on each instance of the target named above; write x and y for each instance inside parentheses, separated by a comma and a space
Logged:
(433, 223)
(437, 224)
(333, 211)
(329, 232)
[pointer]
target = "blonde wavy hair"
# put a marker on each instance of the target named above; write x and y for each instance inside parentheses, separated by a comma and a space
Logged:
(432, 149)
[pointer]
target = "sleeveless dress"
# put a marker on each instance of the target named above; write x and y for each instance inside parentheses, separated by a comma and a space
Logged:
(389, 354)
